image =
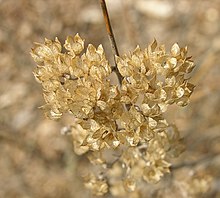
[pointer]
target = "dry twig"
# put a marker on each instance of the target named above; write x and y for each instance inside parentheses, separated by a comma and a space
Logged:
(111, 37)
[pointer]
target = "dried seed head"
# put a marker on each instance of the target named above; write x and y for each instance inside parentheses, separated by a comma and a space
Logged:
(128, 121)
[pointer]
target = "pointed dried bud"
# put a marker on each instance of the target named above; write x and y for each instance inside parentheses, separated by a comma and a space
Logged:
(175, 50)
(74, 45)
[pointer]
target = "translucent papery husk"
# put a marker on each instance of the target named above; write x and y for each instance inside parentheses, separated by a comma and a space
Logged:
(126, 119)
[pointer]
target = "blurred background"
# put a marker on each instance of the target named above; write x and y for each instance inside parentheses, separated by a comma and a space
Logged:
(36, 160)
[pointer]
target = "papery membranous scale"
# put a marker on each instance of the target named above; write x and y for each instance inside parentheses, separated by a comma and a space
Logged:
(123, 126)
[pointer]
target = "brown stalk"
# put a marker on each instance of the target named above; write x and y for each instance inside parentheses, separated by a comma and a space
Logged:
(111, 37)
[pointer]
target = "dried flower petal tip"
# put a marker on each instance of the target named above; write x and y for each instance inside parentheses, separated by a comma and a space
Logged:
(74, 45)
(152, 47)
(46, 51)
(175, 50)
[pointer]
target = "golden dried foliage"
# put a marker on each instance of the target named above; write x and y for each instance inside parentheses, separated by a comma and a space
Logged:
(122, 125)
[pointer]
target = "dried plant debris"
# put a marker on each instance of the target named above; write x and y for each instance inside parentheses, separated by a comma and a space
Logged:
(121, 128)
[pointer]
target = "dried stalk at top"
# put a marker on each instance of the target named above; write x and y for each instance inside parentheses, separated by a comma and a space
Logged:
(111, 37)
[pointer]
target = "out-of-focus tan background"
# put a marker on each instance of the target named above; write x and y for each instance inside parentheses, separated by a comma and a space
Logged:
(35, 159)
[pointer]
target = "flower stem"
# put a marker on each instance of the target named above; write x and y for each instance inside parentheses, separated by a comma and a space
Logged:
(111, 37)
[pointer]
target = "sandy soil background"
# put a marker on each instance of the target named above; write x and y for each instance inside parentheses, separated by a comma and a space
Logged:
(35, 159)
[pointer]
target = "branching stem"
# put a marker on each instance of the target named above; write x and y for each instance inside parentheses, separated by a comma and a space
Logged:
(111, 37)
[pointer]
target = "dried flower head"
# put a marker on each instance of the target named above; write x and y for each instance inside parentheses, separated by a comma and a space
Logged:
(123, 125)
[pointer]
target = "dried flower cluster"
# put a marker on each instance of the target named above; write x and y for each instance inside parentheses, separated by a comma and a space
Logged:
(123, 125)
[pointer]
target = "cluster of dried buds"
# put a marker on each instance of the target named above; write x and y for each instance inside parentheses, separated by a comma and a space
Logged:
(120, 127)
